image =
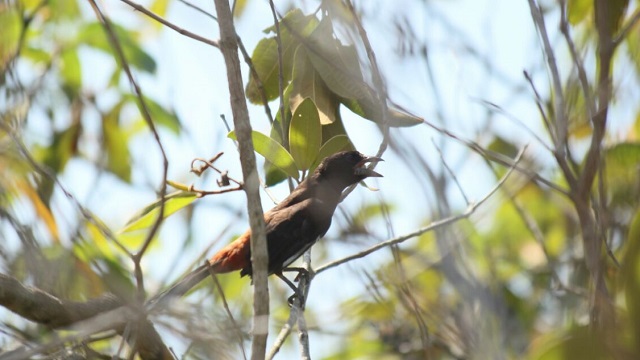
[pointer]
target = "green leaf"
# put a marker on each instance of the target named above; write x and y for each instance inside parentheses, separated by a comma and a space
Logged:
(579, 343)
(272, 151)
(149, 214)
(578, 10)
(11, 28)
(337, 64)
(630, 276)
(94, 35)
(621, 172)
(307, 83)
(158, 7)
(265, 63)
(71, 72)
(305, 134)
(332, 146)
(116, 144)
(633, 49)
(334, 129)
(293, 27)
(64, 9)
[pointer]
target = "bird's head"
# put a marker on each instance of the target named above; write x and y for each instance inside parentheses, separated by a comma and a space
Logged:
(346, 168)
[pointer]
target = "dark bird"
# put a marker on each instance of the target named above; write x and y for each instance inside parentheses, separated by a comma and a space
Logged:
(292, 226)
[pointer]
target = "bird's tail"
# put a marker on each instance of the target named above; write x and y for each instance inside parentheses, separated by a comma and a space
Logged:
(179, 289)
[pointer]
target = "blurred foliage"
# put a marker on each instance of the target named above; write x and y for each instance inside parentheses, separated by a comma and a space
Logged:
(514, 286)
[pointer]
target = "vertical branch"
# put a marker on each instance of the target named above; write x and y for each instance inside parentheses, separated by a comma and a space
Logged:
(259, 258)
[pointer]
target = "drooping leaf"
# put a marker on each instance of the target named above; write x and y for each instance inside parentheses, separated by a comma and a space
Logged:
(149, 214)
(305, 134)
(265, 63)
(265, 57)
(337, 64)
(307, 83)
(272, 151)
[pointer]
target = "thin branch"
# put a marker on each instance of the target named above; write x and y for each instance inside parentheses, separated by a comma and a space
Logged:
(247, 59)
(170, 25)
(435, 225)
(624, 32)
(451, 173)
(260, 257)
(497, 157)
(280, 70)
(283, 335)
(559, 103)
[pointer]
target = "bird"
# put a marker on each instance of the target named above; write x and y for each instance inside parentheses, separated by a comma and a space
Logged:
(292, 226)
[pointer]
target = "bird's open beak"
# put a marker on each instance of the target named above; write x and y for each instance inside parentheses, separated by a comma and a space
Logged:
(363, 171)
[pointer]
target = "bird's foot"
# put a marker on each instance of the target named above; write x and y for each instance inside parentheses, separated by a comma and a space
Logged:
(302, 272)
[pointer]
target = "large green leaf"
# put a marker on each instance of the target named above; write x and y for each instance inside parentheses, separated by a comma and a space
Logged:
(337, 64)
(305, 134)
(149, 214)
(265, 57)
(307, 83)
(273, 152)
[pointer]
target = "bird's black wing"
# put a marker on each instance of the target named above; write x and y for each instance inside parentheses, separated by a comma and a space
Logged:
(290, 232)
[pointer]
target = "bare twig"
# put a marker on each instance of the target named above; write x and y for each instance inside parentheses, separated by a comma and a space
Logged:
(624, 32)
(280, 69)
(170, 25)
(453, 175)
(560, 134)
(435, 225)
